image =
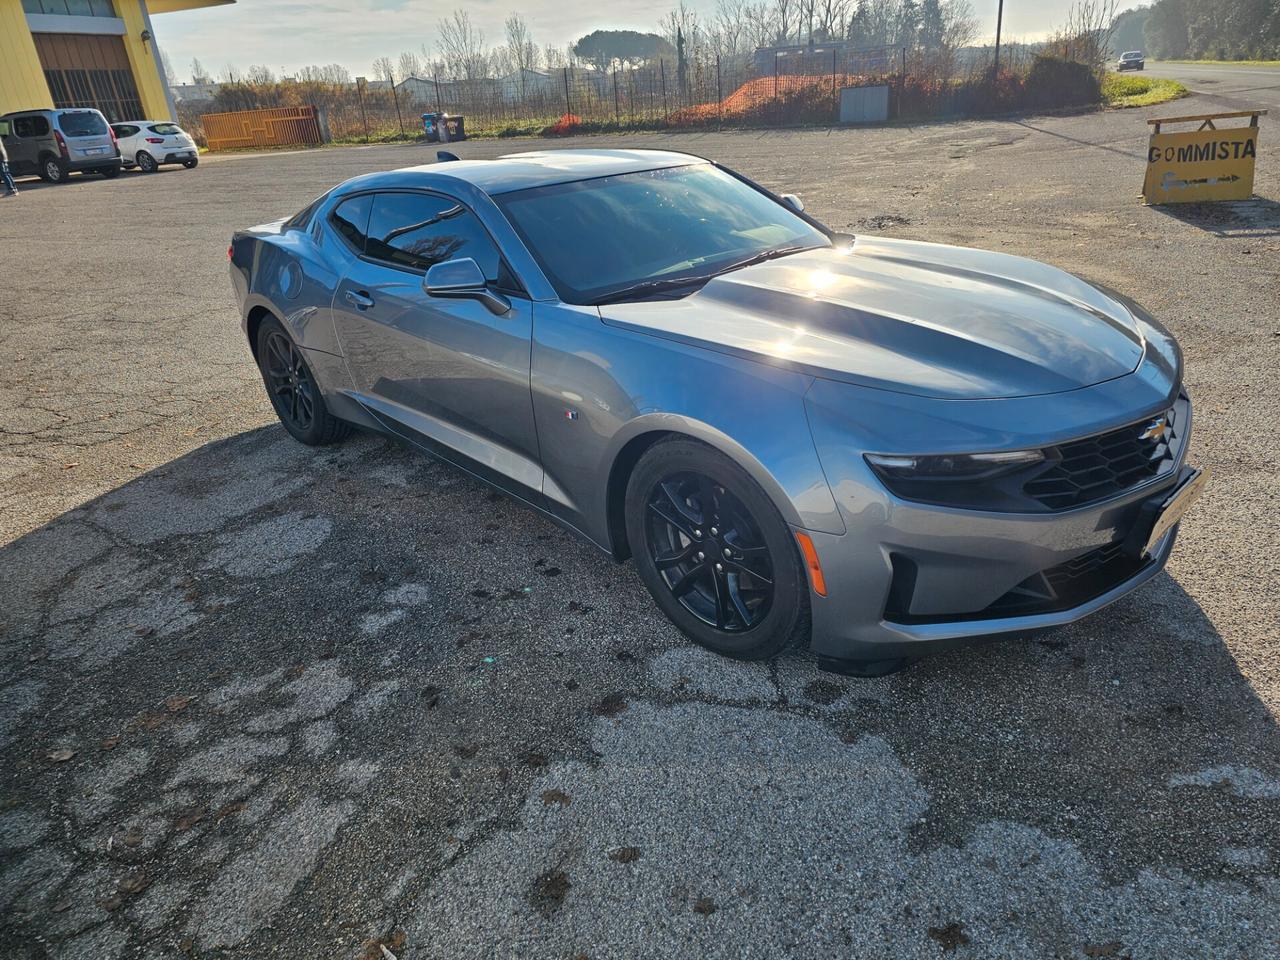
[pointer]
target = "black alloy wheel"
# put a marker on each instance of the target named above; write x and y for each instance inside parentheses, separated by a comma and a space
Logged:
(709, 552)
(293, 390)
(714, 552)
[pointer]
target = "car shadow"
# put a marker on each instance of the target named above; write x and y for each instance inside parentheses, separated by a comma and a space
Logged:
(1257, 217)
(257, 620)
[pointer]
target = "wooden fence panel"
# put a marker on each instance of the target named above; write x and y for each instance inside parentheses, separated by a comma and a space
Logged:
(277, 127)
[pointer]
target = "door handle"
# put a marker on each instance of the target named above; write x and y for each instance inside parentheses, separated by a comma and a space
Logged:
(361, 301)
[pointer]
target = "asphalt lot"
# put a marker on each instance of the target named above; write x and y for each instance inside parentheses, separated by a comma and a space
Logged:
(1223, 86)
(258, 700)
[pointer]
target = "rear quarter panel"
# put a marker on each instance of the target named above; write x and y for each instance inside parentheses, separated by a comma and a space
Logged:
(292, 273)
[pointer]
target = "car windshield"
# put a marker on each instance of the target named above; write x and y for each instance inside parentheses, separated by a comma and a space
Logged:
(1132, 55)
(165, 129)
(594, 238)
(82, 124)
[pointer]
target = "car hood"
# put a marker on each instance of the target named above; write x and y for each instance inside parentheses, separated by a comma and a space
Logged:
(919, 318)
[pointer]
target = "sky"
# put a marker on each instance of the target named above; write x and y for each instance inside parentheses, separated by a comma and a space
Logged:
(285, 35)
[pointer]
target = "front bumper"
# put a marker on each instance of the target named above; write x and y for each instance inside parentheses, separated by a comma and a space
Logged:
(930, 579)
(909, 578)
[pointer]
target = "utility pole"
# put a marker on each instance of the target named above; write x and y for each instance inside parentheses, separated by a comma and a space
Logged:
(999, 22)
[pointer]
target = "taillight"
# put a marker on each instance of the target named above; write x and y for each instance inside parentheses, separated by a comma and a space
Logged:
(62, 144)
(155, 139)
(111, 130)
(230, 250)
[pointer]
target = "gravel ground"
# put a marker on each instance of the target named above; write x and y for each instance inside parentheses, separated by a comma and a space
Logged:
(260, 700)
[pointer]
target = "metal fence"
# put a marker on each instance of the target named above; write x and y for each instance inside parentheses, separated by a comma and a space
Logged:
(793, 87)
(775, 87)
(275, 127)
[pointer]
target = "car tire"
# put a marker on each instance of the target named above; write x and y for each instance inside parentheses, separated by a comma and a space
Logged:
(110, 172)
(191, 164)
(292, 388)
(54, 170)
(741, 590)
(146, 162)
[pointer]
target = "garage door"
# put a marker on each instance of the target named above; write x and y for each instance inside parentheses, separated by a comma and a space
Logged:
(89, 71)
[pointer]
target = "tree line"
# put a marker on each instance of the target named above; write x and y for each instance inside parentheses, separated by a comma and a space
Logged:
(460, 50)
(1203, 29)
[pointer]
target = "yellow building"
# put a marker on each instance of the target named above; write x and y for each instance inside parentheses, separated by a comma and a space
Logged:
(86, 53)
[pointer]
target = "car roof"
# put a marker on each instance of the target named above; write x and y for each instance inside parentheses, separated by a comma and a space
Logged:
(521, 171)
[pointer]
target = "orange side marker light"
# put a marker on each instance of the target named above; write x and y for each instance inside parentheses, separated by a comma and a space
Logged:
(811, 561)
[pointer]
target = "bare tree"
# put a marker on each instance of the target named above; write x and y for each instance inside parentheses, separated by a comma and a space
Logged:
(959, 25)
(409, 65)
(462, 47)
(259, 74)
(731, 26)
(555, 57)
(784, 20)
(198, 73)
(760, 30)
(521, 54)
(384, 69)
(1085, 37)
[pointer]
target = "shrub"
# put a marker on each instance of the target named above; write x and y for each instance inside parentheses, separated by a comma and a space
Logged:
(1054, 82)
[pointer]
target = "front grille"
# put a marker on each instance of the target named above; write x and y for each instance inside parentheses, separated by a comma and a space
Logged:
(1093, 469)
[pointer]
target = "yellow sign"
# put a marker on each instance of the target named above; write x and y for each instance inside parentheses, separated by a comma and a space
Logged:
(1204, 164)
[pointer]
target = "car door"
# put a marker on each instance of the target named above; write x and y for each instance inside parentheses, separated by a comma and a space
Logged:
(125, 139)
(24, 143)
(447, 370)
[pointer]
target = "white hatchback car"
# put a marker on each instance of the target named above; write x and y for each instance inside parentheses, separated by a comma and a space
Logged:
(146, 144)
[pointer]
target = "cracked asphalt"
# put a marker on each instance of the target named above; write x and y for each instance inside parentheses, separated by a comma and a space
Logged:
(258, 700)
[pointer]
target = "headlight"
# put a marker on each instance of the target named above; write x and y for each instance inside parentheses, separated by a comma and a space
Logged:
(958, 466)
(977, 481)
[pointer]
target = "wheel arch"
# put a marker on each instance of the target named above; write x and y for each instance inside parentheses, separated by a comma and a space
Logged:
(253, 323)
(641, 434)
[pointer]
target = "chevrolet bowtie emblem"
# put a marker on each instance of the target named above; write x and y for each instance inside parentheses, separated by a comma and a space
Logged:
(1156, 429)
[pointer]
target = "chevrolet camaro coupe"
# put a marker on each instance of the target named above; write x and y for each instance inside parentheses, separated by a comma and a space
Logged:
(881, 447)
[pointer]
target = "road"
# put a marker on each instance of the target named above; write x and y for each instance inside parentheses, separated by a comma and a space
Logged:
(1225, 86)
(260, 700)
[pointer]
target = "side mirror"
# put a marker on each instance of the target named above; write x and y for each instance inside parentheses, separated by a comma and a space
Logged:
(794, 202)
(462, 279)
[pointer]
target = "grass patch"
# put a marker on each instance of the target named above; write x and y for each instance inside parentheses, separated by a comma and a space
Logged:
(1126, 90)
(1231, 63)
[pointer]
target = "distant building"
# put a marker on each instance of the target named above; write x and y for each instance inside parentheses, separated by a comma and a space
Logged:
(521, 84)
(194, 91)
(92, 53)
(817, 58)
(424, 90)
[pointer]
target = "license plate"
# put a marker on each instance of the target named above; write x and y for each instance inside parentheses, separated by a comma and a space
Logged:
(1175, 508)
(94, 151)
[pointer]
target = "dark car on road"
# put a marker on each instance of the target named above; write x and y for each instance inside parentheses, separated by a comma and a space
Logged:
(880, 446)
(1131, 60)
(56, 143)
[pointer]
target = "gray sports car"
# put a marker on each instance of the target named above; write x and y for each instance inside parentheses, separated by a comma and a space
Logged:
(879, 446)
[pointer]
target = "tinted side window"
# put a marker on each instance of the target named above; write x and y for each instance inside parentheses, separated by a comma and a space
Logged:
(417, 230)
(351, 219)
(30, 126)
